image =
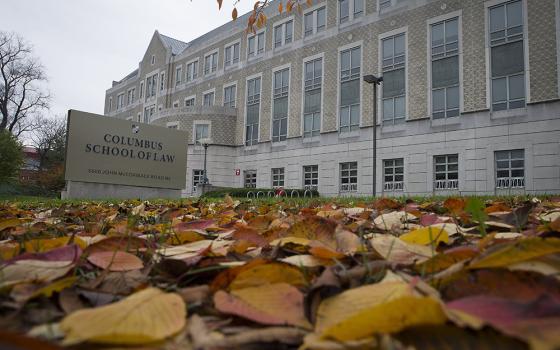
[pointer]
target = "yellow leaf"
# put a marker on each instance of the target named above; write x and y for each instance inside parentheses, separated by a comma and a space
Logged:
(144, 317)
(9, 250)
(396, 250)
(426, 236)
(294, 240)
(388, 306)
(55, 287)
(9, 223)
(268, 274)
(45, 244)
(33, 271)
(520, 251)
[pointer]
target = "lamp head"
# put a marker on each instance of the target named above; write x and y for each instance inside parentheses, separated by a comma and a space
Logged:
(372, 79)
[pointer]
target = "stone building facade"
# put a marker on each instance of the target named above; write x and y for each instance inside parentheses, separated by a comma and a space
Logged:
(469, 103)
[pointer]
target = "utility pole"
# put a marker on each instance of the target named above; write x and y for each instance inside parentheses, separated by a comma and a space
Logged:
(372, 79)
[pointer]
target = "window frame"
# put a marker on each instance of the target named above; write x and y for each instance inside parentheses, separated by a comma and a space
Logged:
(527, 72)
(178, 75)
(447, 183)
(314, 10)
(188, 98)
(256, 36)
(228, 86)
(352, 186)
(120, 100)
(342, 49)
(283, 23)
(195, 64)
(306, 60)
(196, 123)
(197, 173)
(510, 180)
(273, 97)
(278, 177)
(232, 45)
(130, 92)
(208, 92)
(246, 102)
(429, 23)
(394, 185)
(313, 177)
(381, 37)
(351, 14)
(214, 65)
(253, 178)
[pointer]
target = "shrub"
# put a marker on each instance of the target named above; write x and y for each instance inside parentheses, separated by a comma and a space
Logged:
(11, 157)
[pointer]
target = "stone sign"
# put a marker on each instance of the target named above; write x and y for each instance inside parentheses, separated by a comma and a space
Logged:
(107, 150)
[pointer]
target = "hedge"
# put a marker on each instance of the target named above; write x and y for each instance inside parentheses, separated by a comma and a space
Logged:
(242, 192)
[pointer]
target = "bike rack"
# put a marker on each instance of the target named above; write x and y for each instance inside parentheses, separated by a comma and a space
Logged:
(260, 193)
(310, 193)
(270, 194)
(292, 193)
(250, 194)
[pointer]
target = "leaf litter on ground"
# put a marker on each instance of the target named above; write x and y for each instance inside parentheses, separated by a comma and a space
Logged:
(379, 274)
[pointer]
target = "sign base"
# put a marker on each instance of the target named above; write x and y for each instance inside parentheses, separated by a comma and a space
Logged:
(93, 190)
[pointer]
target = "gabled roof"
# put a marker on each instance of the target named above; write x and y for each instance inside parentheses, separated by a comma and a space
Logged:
(176, 46)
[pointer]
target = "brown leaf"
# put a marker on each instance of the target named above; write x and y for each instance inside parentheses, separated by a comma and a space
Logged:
(115, 261)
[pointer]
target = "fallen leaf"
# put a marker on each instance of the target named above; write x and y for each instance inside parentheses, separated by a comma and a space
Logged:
(115, 261)
(393, 219)
(512, 253)
(426, 236)
(272, 304)
(33, 271)
(395, 250)
(144, 317)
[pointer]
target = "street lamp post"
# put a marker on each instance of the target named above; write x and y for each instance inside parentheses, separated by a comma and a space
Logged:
(205, 143)
(372, 79)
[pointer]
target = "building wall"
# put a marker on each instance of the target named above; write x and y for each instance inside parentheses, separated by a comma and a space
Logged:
(475, 135)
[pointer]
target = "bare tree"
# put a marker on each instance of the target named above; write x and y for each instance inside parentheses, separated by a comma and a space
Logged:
(21, 93)
(49, 139)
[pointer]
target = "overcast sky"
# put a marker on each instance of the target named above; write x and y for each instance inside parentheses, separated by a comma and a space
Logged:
(86, 44)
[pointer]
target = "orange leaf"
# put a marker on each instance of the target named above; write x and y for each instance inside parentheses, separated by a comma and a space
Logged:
(116, 261)
(454, 205)
(220, 4)
(280, 8)
(234, 14)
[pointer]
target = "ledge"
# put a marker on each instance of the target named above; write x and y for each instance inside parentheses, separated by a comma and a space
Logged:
(509, 113)
(446, 121)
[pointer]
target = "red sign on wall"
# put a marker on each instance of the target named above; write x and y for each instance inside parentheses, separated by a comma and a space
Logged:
(237, 172)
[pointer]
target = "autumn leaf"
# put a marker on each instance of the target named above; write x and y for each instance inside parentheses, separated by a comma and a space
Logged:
(115, 261)
(144, 317)
(220, 4)
(396, 250)
(33, 271)
(512, 253)
(426, 236)
(234, 14)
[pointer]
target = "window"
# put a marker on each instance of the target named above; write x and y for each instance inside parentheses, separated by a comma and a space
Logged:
(510, 169)
(445, 68)
(349, 177)
(151, 86)
(178, 75)
(148, 113)
(446, 172)
(211, 63)
(176, 104)
(393, 174)
(229, 96)
(172, 126)
(280, 105)
(189, 102)
(350, 89)
(153, 59)
(208, 99)
(141, 89)
(314, 21)
(192, 71)
(231, 54)
(277, 177)
(130, 96)
(197, 178)
(394, 81)
(250, 179)
(120, 101)
(161, 81)
(507, 56)
(312, 97)
(255, 45)
(283, 33)
(350, 9)
(310, 177)
(110, 104)
(384, 4)
(253, 109)
(201, 131)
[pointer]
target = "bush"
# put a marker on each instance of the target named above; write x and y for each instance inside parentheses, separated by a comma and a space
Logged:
(242, 192)
(11, 157)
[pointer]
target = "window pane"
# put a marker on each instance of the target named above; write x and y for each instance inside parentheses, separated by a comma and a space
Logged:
(307, 122)
(514, 14)
(316, 121)
(308, 22)
(507, 59)
(518, 154)
(355, 115)
(358, 7)
(499, 90)
(438, 100)
(451, 31)
(320, 19)
(517, 87)
(399, 107)
(387, 48)
(437, 35)
(350, 92)
(453, 97)
(394, 83)
(356, 57)
(497, 19)
(399, 45)
(343, 10)
(345, 60)
(289, 31)
(312, 101)
(388, 109)
(445, 72)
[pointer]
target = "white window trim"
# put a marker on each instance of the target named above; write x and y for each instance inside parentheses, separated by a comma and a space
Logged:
(127, 93)
(257, 55)
(238, 41)
(177, 67)
(250, 77)
(209, 53)
(402, 30)
(168, 124)
(305, 60)
(491, 164)
(201, 122)
(459, 15)
(311, 9)
(359, 43)
(188, 98)
(378, 9)
(197, 72)
(110, 109)
(204, 93)
(227, 85)
(380, 175)
(274, 70)
(123, 104)
(487, 5)
(339, 178)
(351, 19)
(281, 23)
(430, 154)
